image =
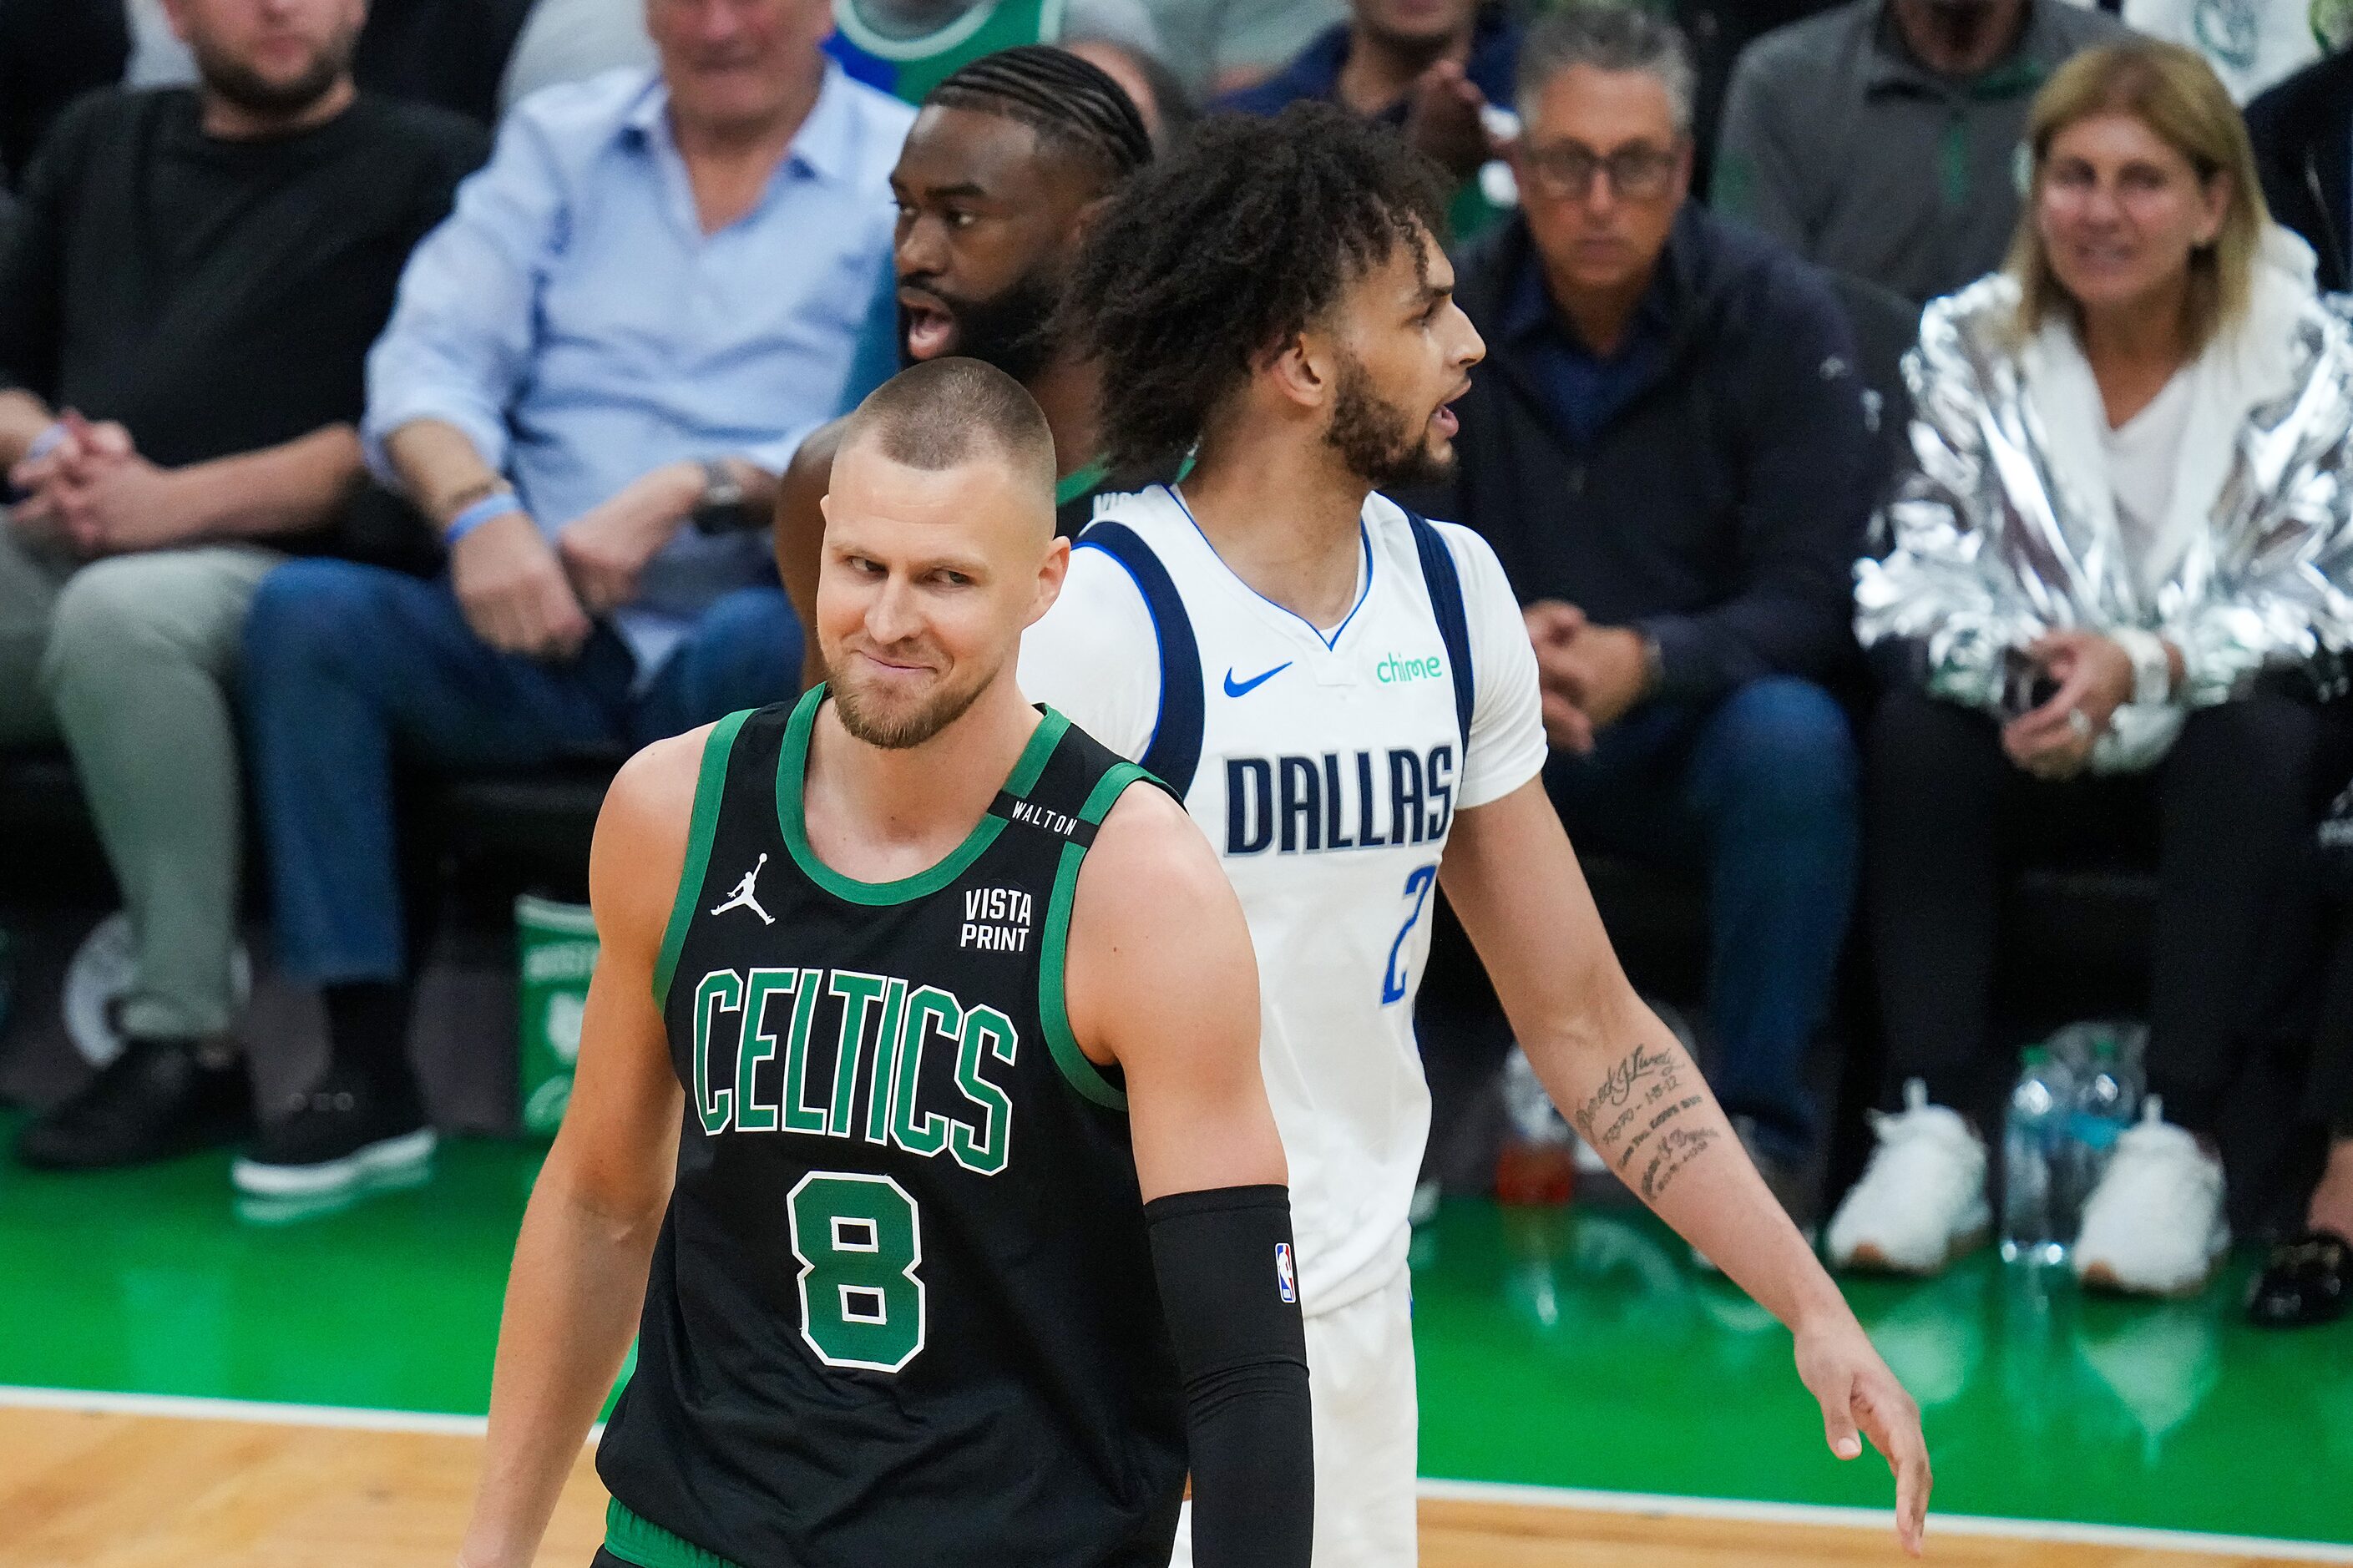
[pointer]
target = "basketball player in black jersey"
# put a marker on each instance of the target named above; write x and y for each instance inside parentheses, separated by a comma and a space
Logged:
(1008, 157)
(918, 1129)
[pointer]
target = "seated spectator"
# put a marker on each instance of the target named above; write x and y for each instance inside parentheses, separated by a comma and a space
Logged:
(1009, 158)
(452, 53)
(2250, 45)
(638, 309)
(1667, 449)
(908, 47)
(1163, 100)
(186, 307)
(2303, 135)
(2090, 596)
(1224, 46)
(2308, 1278)
(571, 40)
(1427, 67)
(1880, 139)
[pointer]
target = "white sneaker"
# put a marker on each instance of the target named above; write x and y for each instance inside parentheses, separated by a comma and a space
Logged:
(1922, 1199)
(2154, 1225)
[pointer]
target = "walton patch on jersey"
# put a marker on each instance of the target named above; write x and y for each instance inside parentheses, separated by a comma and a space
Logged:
(753, 1068)
(1312, 805)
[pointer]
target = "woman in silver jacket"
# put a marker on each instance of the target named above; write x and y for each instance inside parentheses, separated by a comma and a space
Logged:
(2126, 530)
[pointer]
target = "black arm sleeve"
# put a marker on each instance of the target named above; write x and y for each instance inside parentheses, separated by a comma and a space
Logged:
(1228, 1284)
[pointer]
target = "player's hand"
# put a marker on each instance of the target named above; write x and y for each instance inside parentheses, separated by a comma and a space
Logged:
(606, 547)
(1859, 1394)
(513, 590)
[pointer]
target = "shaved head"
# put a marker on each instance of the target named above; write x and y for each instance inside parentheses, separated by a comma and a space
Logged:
(948, 413)
(939, 548)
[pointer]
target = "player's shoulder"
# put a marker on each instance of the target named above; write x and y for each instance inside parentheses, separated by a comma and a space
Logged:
(1150, 852)
(1152, 514)
(658, 784)
(643, 833)
(1391, 525)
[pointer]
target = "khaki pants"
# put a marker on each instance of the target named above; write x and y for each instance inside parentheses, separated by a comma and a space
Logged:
(130, 662)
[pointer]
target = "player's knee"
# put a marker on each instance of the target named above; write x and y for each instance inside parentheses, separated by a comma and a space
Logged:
(307, 612)
(105, 616)
(1785, 746)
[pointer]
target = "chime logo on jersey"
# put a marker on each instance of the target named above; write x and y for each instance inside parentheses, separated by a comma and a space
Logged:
(1395, 671)
(887, 1084)
(1286, 1278)
(1309, 806)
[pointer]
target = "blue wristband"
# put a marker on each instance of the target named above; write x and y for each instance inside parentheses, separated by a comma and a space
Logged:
(480, 512)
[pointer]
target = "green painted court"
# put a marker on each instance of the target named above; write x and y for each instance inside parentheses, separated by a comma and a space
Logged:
(1571, 1349)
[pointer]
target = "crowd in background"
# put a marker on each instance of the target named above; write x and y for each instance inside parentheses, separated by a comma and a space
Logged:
(412, 385)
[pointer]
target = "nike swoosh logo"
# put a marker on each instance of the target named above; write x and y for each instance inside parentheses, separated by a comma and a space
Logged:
(1244, 687)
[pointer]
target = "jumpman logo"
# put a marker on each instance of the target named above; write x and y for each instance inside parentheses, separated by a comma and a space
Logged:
(744, 897)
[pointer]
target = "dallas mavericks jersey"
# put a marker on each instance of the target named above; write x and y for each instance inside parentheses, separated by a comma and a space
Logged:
(909, 61)
(902, 1307)
(1327, 768)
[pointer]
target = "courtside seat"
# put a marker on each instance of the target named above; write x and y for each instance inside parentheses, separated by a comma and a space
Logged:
(539, 823)
(535, 826)
(2076, 935)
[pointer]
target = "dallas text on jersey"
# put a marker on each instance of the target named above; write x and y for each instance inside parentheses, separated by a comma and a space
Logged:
(1305, 802)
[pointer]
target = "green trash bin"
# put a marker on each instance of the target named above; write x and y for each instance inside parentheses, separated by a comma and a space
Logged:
(556, 951)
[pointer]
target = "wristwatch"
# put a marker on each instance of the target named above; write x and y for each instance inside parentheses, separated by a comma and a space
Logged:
(2152, 667)
(720, 507)
(1654, 665)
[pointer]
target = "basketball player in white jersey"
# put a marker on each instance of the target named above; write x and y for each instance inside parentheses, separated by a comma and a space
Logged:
(1346, 698)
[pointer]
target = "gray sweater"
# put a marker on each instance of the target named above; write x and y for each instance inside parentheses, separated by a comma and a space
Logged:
(1842, 145)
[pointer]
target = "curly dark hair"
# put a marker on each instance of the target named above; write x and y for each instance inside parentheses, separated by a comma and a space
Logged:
(1224, 249)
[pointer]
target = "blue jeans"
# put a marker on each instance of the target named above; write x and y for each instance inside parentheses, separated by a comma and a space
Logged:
(347, 666)
(1758, 793)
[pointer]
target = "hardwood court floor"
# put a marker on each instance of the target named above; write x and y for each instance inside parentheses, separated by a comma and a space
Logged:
(90, 1490)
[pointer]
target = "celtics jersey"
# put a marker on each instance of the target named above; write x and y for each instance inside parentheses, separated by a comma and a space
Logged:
(910, 58)
(902, 1307)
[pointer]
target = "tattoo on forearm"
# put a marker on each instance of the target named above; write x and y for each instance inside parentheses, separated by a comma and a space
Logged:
(1641, 1079)
(1656, 1125)
(1678, 1147)
(1632, 1119)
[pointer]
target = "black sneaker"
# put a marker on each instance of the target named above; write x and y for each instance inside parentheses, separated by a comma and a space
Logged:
(2305, 1282)
(156, 1100)
(342, 1130)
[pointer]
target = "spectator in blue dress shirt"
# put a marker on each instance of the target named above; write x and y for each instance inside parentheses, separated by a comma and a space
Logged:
(595, 370)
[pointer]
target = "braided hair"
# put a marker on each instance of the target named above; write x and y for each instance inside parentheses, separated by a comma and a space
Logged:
(1060, 96)
(1227, 249)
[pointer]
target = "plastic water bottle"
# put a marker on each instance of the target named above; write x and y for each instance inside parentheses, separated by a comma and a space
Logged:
(2108, 1098)
(2033, 1176)
(1538, 1164)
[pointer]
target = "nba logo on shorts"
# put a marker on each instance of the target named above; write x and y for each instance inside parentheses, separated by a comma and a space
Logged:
(1285, 1280)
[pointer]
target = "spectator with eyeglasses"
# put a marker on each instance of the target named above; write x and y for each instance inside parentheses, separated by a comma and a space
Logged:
(1668, 450)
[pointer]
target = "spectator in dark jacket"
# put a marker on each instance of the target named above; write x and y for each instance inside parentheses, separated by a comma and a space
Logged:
(2303, 134)
(1427, 67)
(1667, 449)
